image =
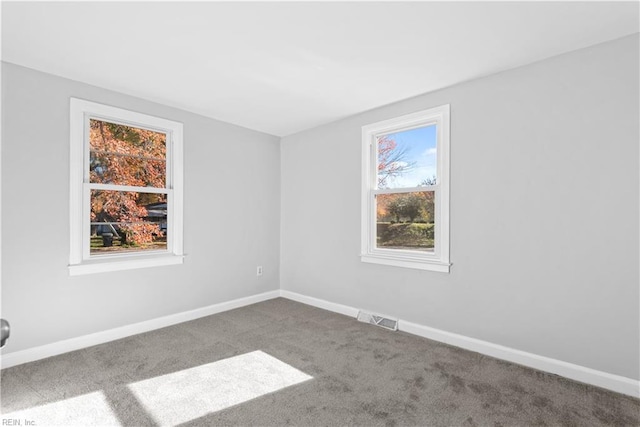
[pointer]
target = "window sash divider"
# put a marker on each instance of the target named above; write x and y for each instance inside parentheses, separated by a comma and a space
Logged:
(427, 189)
(129, 188)
(132, 156)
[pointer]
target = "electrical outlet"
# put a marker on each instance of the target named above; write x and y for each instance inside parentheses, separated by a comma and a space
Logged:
(259, 271)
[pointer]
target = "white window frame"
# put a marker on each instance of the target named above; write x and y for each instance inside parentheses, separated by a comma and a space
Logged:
(80, 259)
(438, 260)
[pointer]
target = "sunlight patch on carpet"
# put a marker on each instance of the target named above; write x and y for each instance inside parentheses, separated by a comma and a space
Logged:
(192, 393)
(89, 409)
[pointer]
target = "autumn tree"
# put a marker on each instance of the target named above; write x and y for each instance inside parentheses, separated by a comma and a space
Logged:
(125, 155)
(428, 209)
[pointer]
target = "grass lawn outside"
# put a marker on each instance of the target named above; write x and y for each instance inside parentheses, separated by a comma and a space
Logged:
(411, 236)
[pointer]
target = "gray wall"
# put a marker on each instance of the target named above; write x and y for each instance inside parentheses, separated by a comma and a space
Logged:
(544, 212)
(231, 212)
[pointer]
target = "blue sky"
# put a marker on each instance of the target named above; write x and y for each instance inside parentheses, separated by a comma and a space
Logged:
(420, 145)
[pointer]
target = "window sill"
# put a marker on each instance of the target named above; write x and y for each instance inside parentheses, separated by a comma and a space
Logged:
(115, 264)
(429, 265)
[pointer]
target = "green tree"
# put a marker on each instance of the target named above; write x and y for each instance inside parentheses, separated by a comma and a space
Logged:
(395, 206)
(412, 205)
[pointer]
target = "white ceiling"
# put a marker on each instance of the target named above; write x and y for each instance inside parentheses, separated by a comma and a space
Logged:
(284, 67)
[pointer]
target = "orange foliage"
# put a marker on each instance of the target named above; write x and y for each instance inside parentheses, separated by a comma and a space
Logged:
(125, 155)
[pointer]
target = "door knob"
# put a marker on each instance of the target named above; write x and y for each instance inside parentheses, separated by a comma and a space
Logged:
(5, 331)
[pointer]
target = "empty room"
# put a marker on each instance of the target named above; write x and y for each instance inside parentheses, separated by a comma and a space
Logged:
(320, 213)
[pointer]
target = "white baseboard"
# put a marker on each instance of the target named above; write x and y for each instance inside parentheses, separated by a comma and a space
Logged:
(326, 305)
(606, 380)
(29, 355)
(572, 371)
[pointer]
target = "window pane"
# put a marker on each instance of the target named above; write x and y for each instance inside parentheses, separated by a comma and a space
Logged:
(407, 158)
(125, 221)
(405, 221)
(126, 155)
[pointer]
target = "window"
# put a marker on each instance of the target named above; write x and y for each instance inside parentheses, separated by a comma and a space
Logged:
(126, 189)
(405, 191)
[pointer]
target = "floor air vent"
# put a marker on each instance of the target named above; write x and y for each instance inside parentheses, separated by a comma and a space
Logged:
(374, 319)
